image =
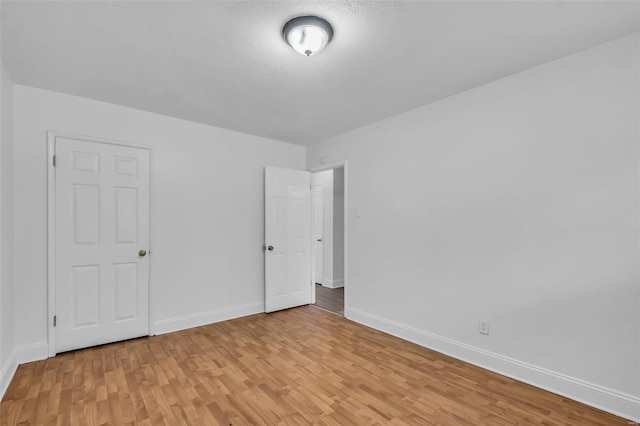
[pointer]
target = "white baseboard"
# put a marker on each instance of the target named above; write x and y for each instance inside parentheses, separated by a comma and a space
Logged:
(195, 320)
(21, 355)
(7, 371)
(333, 283)
(33, 352)
(618, 403)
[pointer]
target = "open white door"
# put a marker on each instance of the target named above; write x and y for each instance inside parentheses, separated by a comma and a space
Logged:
(287, 238)
(101, 242)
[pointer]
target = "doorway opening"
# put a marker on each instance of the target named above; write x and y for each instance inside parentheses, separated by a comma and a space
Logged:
(328, 238)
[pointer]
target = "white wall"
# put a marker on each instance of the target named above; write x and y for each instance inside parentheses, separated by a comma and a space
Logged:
(8, 361)
(516, 202)
(207, 210)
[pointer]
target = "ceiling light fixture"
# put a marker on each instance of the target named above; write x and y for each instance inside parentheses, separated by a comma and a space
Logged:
(308, 35)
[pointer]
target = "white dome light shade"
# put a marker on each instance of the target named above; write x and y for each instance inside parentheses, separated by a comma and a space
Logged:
(307, 39)
(307, 35)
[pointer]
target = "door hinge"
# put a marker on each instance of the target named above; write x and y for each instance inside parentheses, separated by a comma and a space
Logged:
(54, 161)
(55, 317)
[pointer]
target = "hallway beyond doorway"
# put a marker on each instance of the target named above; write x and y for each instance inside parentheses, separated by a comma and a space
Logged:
(330, 299)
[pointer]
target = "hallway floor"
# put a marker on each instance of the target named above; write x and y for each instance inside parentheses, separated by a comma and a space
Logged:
(331, 299)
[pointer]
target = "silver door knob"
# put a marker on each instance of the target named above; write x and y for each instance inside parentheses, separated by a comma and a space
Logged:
(142, 253)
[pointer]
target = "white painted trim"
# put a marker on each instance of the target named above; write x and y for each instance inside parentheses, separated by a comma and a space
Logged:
(7, 371)
(73, 136)
(21, 355)
(33, 352)
(196, 320)
(329, 166)
(346, 235)
(51, 221)
(618, 403)
(333, 283)
(51, 242)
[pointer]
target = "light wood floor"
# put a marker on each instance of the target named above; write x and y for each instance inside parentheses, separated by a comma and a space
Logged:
(300, 366)
(331, 299)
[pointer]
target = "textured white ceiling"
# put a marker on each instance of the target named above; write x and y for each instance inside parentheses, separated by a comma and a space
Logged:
(224, 63)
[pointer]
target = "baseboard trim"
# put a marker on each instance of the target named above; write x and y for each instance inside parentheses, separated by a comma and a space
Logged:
(333, 283)
(21, 355)
(195, 320)
(33, 352)
(614, 402)
(7, 371)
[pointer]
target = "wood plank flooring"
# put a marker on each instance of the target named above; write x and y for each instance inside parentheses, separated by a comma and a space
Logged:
(331, 299)
(301, 366)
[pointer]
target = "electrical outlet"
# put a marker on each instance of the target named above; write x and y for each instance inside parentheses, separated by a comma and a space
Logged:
(483, 326)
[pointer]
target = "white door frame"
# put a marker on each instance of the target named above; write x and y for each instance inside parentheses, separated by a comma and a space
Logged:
(51, 229)
(332, 166)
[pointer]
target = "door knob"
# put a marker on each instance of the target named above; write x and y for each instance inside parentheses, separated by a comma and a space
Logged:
(142, 253)
(270, 248)
(319, 240)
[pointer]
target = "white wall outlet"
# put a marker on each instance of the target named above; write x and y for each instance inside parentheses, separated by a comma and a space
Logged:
(483, 326)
